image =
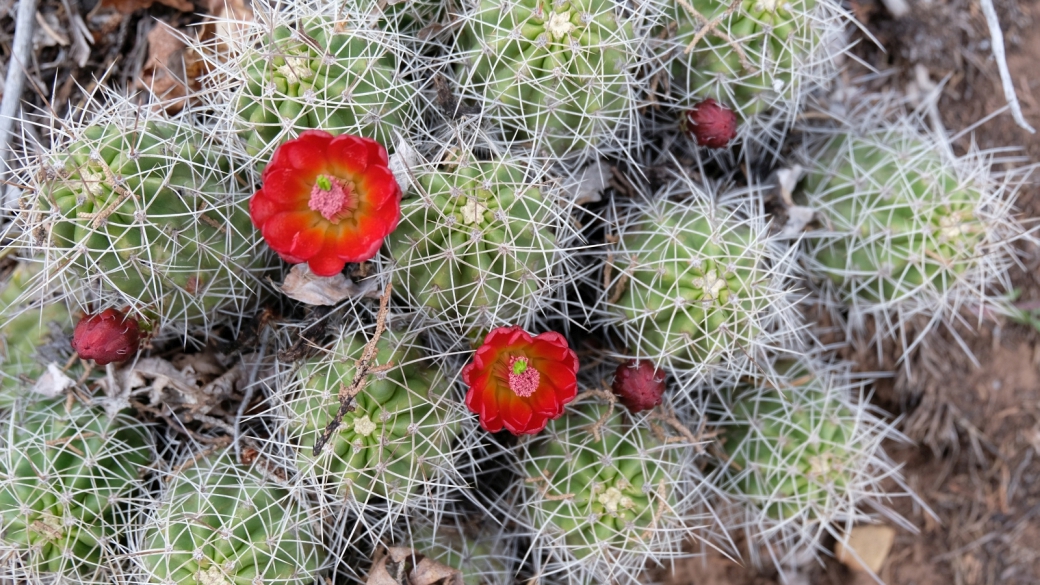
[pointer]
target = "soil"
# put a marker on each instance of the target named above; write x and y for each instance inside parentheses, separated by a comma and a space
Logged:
(974, 423)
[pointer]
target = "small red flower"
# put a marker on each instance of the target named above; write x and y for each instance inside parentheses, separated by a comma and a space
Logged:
(520, 382)
(711, 123)
(106, 337)
(639, 385)
(327, 200)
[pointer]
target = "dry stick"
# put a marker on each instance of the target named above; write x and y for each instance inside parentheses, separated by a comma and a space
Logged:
(997, 40)
(14, 83)
(362, 369)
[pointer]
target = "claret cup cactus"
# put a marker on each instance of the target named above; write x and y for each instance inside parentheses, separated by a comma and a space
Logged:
(29, 320)
(304, 70)
(400, 433)
(144, 213)
(605, 492)
(903, 228)
(480, 244)
(70, 483)
(801, 456)
(555, 73)
(749, 55)
(690, 282)
(222, 523)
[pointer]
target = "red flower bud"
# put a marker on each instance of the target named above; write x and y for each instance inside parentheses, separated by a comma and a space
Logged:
(711, 123)
(639, 385)
(106, 337)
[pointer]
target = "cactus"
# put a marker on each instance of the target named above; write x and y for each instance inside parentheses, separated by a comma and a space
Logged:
(307, 71)
(556, 73)
(801, 456)
(691, 282)
(70, 476)
(480, 551)
(222, 523)
(144, 213)
(604, 494)
(904, 228)
(29, 321)
(399, 434)
(479, 245)
(749, 55)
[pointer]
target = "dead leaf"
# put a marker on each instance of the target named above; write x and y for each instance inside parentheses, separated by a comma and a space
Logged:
(132, 6)
(52, 383)
(303, 285)
(172, 70)
(404, 566)
(866, 548)
(231, 20)
(590, 184)
(402, 162)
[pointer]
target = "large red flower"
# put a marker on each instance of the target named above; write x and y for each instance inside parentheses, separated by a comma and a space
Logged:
(520, 382)
(327, 200)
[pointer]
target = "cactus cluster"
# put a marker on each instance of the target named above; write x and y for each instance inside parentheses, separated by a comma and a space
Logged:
(72, 479)
(638, 301)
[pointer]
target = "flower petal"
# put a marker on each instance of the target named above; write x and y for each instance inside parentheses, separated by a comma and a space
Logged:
(299, 234)
(287, 187)
(305, 154)
(348, 156)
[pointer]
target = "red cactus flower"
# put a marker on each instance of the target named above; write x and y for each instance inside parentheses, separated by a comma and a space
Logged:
(106, 337)
(520, 382)
(327, 201)
(711, 123)
(639, 385)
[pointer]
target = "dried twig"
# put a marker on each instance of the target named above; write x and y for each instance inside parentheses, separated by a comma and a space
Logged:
(21, 56)
(997, 40)
(363, 368)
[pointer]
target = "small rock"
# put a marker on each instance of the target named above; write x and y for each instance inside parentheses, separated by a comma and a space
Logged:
(866, 548)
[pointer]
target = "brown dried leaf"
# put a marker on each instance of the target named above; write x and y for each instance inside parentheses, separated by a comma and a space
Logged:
(132, 6)
(324, 291)
(404, 566)
(172, 70)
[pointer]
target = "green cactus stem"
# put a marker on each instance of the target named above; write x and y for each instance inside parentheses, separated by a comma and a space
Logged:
(221, 523)
(401, 428)
(551, 72)
(70, 474)
(147, 215)
(476, 246)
